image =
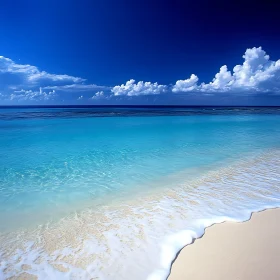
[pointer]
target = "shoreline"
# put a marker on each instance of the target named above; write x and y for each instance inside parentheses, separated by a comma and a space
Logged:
(244, 250)
(89, 244)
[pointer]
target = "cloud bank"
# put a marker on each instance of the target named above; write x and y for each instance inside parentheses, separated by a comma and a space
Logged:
(257, 74)
(31, 75)
(27, 82)
(23, 82)
(32, 95)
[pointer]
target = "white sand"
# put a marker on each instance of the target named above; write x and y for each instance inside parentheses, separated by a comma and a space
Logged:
(234, 251)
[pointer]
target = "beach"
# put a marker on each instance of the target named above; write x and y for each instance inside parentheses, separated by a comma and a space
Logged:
(243, 251)
(140, 141)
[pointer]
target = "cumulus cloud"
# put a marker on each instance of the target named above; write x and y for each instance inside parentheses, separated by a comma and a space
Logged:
(223, 81)
(98, 95)
(186, 85)
(131, 88)
(257, 74)
(257, 71)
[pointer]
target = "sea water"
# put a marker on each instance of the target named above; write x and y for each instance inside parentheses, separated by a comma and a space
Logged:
(115, 193)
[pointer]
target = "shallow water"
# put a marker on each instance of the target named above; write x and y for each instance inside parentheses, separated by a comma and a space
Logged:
(115, 193)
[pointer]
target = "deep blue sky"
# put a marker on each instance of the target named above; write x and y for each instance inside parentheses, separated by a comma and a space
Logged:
(109, 42)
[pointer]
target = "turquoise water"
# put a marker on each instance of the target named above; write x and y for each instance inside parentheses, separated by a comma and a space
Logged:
(54, 162)
(48, 159)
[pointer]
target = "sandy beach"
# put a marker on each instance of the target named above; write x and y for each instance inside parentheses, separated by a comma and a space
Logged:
(234, 251)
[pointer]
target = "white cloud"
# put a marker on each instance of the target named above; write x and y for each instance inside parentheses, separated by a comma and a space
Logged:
(32, 75)
(256, 63)
(141, 88)
(257, 74)
(98, 94)
(222, 81)
(186, 85)
(76, 87)
(31, 95)
(21, 82)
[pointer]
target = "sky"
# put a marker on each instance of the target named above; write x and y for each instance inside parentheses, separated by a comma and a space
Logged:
(124, 52)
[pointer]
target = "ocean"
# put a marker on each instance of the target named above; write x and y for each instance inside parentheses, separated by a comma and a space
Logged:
(115, 192)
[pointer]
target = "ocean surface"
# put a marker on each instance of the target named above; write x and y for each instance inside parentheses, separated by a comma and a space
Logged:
(114, 193)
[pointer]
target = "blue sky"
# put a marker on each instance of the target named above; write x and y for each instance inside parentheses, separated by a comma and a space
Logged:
(139, 52)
